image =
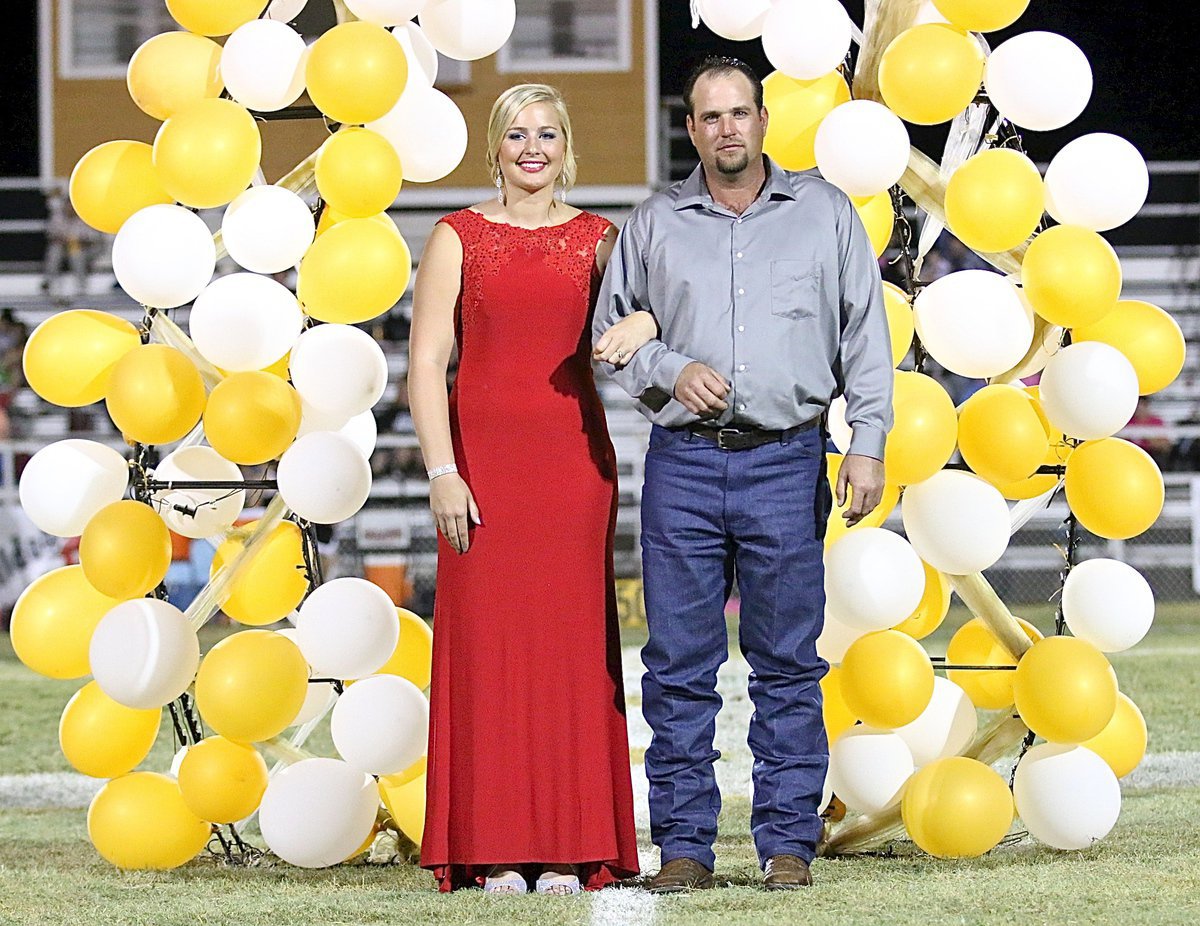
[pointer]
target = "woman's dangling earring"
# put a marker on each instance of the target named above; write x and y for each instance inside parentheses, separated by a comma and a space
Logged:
(500, 188)
(562, 192)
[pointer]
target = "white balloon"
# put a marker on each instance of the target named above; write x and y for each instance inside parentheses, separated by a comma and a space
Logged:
(1038, 80)
(1107, 603)
(806, 39)
(317, 812)
(1098, 181)
(285, 10)
(835, 639)
(144, 653)
(945, 728)
(267, 229)
(207, 511)
(363, 431)
(263, 65)
(381, 724)
(347, 628)
(974, 323)
(862, 147)
(928, 13)
(956, 522)
(417, 117)
(320, 697)
(839, 431)
(67, 482)
(1067, 796)
(422, 56)
(868, 768)
(737, 20)
(339, 370)
(873, 579)
(468, 29)
(324, 477)
(313, 419)
(164, 256)
(1089, 390)
(243, 322)
(385, 12)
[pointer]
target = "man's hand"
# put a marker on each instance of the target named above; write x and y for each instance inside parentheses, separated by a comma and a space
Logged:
(863, 477)
(702, 390)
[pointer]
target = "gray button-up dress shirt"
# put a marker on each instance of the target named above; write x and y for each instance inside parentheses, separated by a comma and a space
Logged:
(784, 301)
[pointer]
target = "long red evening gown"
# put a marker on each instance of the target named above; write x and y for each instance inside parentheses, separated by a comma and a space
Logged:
(528, 752)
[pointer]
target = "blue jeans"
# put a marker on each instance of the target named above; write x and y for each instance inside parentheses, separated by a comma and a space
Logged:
(711, 516)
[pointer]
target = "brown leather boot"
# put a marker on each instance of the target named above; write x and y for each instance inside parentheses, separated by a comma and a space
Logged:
(786, 873)
(679, 875)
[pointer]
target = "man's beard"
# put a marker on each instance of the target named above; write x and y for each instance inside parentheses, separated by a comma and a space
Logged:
(734, 165)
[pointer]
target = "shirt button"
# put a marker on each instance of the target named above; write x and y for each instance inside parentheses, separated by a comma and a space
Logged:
(739, 254)
(741, 292)
(741, 327)
(741, 367)
(742, 407)
(739, 221)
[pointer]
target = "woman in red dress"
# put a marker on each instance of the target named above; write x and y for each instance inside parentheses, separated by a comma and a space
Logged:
(529, 773)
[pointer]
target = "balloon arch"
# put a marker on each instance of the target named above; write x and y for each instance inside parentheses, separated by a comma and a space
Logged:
(263, 376)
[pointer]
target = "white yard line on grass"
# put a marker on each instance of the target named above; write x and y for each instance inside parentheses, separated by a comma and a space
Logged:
(623, 907)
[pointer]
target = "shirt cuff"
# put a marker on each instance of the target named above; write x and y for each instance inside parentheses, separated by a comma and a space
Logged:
(666, 371)
(867, 441)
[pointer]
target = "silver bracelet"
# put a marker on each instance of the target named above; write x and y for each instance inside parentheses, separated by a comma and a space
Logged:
(441, 471)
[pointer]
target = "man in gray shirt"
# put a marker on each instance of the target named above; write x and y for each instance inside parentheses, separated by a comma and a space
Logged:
(769, 305)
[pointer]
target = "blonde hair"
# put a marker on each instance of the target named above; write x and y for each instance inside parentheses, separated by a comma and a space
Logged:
(505, 110)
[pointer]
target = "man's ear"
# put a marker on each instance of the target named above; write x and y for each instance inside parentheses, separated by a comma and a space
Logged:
(691, 127)
(764, 116)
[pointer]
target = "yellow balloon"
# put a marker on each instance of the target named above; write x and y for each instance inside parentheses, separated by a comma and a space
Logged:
(213, 17)
(932, 609)
(1065, 690)
(70, 356)
(1001, 435)
(925, 429)
(1122, 743)
(838, 716)
(252, 417)
(404, 797)
(413, 656)
(222, 781)
(878, 219)
(887, 679)
(957, 808)
(981, 15)
(795, 109)
(102, 738)
(140, 821)
(357, 271)
(929, 73)
(1071, 276)
(331, 217)
(995, 200)
(974, 645)
(53, 620)
(358, 172)
(207, 153)
(1148, 336)
(901, 325)
(356, 72)
(1057, 455)
(251, 685)
(125, 550)
(272, 583)
(112, 182)
(1114, 488)
(172, 70)
(155, 394)
(836, 525)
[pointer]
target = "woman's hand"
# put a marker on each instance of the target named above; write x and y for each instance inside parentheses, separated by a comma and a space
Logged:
(454, 509)
(620, 342)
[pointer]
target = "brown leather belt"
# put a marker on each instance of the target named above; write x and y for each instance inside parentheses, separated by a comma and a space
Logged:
(748, 438)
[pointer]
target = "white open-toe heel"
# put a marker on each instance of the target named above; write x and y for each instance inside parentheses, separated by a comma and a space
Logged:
(505, 882)
(558, 885)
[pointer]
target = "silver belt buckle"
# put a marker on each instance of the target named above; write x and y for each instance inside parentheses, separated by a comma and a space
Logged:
(733, 432)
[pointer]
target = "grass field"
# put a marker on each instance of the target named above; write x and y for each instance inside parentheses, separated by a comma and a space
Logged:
(1146, 872)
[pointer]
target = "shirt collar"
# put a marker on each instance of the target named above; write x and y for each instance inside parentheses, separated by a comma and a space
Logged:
(694, 190)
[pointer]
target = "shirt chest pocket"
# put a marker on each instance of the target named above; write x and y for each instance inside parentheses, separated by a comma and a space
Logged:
(795, 288)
